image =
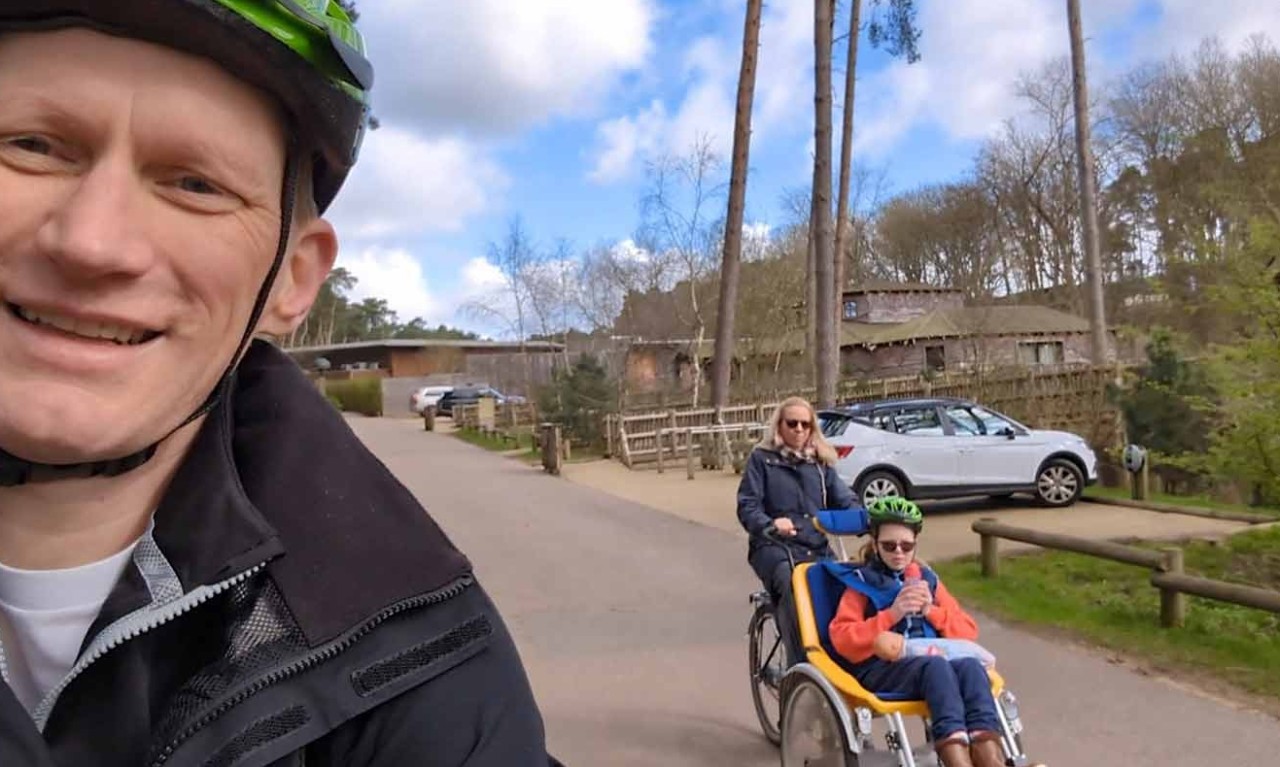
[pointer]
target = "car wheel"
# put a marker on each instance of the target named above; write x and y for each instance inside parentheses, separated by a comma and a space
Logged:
(1059, 483)
(879, 484)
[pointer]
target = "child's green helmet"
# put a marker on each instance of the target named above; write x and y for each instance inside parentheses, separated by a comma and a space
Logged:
(895, 509)
(306, 53)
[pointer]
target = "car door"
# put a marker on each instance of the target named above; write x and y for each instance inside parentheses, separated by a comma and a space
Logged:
(992, 450)
(919, 445)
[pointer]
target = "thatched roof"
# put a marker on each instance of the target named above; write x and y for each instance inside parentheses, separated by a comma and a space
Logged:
(891, 286)
(967, 321)
(961, 322)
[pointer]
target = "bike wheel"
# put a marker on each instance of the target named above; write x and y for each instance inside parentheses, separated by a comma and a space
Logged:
(766, 664)
(811, 731)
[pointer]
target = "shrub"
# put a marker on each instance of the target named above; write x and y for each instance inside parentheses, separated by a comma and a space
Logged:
(578, 398)
(360, 395)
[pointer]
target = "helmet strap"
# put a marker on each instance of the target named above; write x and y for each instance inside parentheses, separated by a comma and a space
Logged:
(16, 471)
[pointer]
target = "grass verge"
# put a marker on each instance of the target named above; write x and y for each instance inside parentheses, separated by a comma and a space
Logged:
(1222, 647)
(496, 444)
(1196, 501)
(529, 453)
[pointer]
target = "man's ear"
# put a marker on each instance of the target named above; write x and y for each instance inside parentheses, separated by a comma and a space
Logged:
(305, 268)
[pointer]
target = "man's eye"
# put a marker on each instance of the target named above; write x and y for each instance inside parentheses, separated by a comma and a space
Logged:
(32, 144)
(197, 185)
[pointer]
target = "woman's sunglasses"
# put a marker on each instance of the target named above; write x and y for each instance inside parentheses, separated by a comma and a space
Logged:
(906, 547)
(792, 423)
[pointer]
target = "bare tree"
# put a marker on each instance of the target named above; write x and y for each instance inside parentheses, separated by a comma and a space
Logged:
(722, 362)
(678, 222)
(509, 304)
(1088, 194)
(826, 347)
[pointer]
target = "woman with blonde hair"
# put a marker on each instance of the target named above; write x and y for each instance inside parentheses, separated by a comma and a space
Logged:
(788, 476)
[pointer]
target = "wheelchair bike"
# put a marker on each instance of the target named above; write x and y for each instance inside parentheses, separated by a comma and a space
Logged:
(816, 711)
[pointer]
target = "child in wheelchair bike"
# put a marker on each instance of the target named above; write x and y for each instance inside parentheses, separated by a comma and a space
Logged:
(890, 616)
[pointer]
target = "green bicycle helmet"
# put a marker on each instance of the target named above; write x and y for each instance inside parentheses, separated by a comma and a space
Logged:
(897, 510)
(305, 53)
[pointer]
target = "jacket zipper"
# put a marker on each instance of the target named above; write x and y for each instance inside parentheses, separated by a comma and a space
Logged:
(131, 627)
(316, 657)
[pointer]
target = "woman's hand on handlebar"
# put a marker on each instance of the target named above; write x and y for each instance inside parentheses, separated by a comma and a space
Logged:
(783, 527)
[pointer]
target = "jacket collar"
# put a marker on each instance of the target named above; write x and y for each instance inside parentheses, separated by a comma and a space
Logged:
(276, 475)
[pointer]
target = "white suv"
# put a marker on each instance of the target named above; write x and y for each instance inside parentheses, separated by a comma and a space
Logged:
(947, 448)
(427, 396)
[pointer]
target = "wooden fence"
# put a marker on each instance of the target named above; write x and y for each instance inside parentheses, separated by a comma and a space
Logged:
(635, 438)
(1166, 564)
(508, 416)
(1071, 399)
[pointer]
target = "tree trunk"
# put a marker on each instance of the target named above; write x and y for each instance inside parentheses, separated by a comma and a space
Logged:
(810, 285)
(1088, 202)
(843, 224)
(722, 362)
(825, 348)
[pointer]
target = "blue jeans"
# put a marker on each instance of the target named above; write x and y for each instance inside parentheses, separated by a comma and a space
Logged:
(958, 691)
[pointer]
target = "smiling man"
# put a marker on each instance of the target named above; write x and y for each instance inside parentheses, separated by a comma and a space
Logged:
(199, 563)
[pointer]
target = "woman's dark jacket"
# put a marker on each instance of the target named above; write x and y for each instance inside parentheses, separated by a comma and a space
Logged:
(774, 486)
(291, 604)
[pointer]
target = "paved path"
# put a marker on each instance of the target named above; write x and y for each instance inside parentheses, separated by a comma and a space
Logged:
(631, 624)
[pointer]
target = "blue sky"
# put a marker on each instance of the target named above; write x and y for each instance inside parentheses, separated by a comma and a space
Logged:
(549, 109)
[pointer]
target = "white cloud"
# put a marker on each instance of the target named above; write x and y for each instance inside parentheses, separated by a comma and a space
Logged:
(405, 184)
(1185, 23)
(627, 250)
(396, 276)
(972, 52)
(498, 66)
(755, 240)
(481, 276)
(626, 139)
(706, 111)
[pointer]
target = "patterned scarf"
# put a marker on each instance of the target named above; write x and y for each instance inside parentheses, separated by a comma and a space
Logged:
(806, 454)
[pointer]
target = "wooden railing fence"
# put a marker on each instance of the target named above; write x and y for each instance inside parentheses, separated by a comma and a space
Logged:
(1166, 564)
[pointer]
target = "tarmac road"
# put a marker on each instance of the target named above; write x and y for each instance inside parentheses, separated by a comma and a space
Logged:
(631, 623)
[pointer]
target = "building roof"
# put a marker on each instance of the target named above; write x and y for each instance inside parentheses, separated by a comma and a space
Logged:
(958, 322)
(892, 286)
(430, 343)
(965, 321)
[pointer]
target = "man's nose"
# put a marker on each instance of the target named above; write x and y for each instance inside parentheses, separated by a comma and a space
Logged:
(95, 230)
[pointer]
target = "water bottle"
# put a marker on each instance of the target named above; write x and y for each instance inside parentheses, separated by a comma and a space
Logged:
(910, 577)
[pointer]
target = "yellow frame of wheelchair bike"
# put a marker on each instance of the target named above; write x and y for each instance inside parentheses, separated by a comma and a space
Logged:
(842, 680)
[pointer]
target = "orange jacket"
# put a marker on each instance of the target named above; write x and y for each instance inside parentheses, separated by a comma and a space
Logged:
(852, 634)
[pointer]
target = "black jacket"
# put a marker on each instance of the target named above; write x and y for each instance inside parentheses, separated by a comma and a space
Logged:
(291, 604)
(773, 486)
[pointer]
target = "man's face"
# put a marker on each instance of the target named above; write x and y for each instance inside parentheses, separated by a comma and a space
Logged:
(139, 213)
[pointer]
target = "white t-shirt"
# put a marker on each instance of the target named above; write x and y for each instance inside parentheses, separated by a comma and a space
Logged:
(44, 616)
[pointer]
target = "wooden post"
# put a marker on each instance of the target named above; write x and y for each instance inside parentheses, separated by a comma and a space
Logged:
(429, 418)
(658, 441)
(567, 451)
(608, 435)
(990, 554)
(624, 442)
(688, 451)
(1173, 604)
(1140, 482)
(551, 448)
